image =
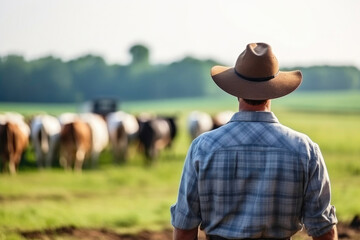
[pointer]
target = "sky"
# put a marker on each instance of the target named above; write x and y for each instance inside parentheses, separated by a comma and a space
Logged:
(301, 33)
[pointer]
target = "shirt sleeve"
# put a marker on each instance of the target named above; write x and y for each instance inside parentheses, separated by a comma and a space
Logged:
(185, 214)
(318, 213)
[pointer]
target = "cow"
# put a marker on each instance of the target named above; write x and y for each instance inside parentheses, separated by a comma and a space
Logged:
(155, 134)
(14, 139)
(123, 129)
(199, 122)
(75, 144)
(67, 117)
(45, 136)
(222, 118)
(99, 135)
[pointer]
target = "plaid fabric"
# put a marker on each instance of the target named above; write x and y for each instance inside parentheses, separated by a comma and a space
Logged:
(253, 178)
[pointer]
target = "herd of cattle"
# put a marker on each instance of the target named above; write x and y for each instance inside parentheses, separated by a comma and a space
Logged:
(71, 138)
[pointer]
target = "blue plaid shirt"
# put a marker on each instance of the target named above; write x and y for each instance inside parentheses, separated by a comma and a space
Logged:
(252, 178)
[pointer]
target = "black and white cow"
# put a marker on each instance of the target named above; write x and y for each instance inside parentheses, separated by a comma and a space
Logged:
(156, 134)
(199, 122)
(45, 136)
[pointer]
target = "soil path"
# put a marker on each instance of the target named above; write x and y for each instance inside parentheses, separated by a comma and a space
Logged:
(346, 231)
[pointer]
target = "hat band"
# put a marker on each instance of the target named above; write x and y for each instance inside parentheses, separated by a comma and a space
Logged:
(261, 79)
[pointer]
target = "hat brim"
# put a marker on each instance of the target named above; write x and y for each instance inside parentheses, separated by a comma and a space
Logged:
(283, 84)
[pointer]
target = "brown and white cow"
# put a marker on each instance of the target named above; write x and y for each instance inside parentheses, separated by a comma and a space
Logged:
(75, 142)
(221, 118)
(123, 130)
(155, 134)
(99, 135)
(14, 138)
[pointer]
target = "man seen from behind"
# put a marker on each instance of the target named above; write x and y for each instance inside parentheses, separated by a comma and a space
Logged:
(254, 178)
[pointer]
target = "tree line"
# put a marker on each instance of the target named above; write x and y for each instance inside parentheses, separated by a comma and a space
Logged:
(50, 79)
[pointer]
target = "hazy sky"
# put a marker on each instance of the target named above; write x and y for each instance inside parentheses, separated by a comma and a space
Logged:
(302, 32)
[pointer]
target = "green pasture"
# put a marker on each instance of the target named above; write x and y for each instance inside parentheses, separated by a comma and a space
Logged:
(136, 196)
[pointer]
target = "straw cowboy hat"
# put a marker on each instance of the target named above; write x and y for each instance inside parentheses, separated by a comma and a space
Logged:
(256, 75)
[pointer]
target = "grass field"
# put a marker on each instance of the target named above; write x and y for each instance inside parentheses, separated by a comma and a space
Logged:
(133, 196)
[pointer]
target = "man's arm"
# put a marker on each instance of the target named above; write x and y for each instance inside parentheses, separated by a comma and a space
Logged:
(184, 234)
(330, 235)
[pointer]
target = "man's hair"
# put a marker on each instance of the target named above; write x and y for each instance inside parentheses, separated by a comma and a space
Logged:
(255, 102)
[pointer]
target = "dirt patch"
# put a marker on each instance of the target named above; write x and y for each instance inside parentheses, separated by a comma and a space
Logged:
(349, 231)
(72, 232)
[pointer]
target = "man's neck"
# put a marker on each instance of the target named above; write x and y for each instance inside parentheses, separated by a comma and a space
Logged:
(244, 106)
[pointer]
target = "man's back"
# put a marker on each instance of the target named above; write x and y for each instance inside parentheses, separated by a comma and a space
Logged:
(254, 178)
(253, 174)
(251, 178)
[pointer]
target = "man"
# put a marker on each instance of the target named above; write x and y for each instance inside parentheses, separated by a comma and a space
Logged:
(254, 178)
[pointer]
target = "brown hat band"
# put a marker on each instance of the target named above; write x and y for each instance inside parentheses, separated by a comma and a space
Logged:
(261, 79)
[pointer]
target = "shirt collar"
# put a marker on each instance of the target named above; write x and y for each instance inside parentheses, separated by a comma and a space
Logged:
(249, 116)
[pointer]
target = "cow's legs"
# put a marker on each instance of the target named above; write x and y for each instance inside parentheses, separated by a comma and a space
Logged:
(12, 165)
(94, 159)
(79, 160)
(39, 155)
(63, 160)
(4, 164)
(39, 161)
(66, 160)
(48, 160)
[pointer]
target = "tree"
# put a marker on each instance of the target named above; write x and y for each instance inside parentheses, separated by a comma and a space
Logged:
(140, 59)
(50, 81)
(92, 77)
(14, 75)
(317, 78)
